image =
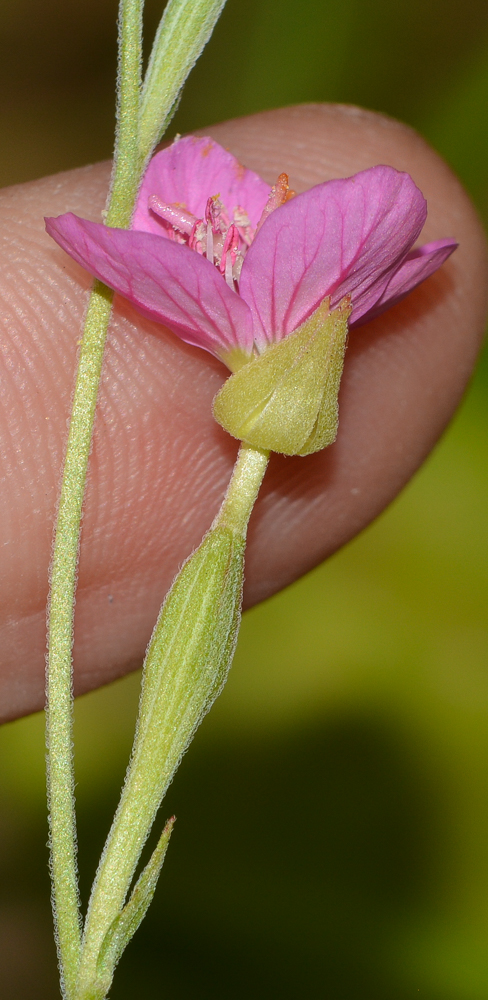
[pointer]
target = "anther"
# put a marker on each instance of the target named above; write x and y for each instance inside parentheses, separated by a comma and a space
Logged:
(280, 192)
(230, 250)
(173, 214)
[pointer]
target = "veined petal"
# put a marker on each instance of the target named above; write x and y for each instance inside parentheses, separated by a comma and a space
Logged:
(166, 281)
(343, 237)
(193, 170)
(418, 265)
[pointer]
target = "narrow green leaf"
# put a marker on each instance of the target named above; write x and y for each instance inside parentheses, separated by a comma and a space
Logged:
(127, 922)
(286, 399)
(185, 29)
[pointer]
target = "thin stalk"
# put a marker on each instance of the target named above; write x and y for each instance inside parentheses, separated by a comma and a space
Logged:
(184, 672)
(65, 556)
(60, 627)
(242, 490)
(127, 166)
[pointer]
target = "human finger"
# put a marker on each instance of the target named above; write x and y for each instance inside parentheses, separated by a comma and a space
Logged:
(160, 464)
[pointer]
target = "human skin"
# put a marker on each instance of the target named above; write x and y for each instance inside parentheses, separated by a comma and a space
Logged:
(160, 464)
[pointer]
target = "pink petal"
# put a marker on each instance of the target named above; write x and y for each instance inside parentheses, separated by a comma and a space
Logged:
(342, 237)
(166, 281)
(417, 266)
(191, 171)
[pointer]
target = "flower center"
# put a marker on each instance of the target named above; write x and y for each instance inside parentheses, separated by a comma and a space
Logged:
(222, 239)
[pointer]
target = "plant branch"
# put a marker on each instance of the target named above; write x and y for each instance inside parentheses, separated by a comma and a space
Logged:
(186, 667)
(59, 725)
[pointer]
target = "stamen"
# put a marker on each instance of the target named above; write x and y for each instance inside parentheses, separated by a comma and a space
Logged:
(217, 248)
(280, 192)
(229, 254)
(243, 223)
(236, 270)
(225, 220)
(197, 240)
(176, 216)
(214, 213)
(209, 252)
(229, 277)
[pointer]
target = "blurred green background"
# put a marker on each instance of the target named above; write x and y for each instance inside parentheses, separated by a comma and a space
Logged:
(333, 812)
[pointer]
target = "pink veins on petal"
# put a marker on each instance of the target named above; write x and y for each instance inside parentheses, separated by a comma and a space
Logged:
(228, 263)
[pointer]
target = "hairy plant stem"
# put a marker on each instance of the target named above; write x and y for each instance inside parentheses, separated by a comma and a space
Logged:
(60, 782)
(60, 626)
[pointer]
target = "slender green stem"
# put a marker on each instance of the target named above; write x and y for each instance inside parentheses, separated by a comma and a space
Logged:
(243, 489)
(127, 164)
(65, 555)
(59, 693)
(186, 666)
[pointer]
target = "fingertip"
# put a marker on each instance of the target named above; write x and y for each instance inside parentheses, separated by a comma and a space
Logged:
(159, 465)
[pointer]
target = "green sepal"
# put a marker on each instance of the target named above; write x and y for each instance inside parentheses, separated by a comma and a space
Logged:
(285, 400)
(123, 928)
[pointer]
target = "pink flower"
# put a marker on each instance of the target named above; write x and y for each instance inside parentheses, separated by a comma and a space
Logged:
(232, 265)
